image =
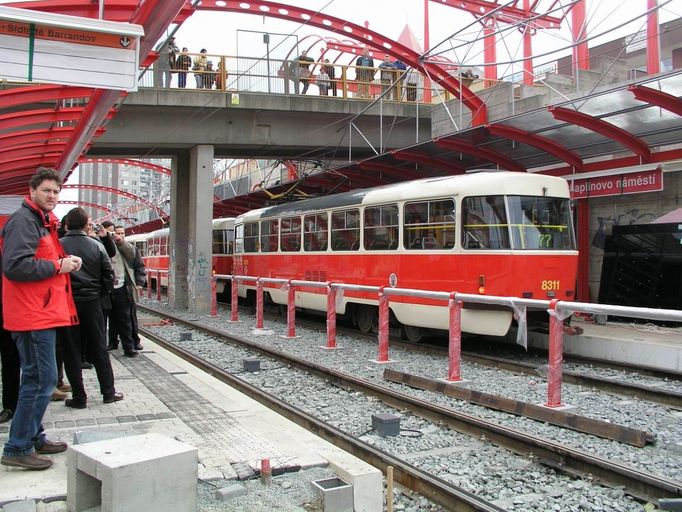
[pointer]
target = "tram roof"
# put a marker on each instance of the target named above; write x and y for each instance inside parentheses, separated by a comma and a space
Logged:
(478, 183)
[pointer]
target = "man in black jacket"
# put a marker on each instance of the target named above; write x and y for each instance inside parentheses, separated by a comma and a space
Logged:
(90, 283)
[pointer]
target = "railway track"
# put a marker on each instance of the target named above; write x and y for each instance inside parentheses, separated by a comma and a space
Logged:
(640, 484)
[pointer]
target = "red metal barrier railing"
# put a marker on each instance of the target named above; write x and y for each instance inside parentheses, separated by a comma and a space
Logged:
(558, 311)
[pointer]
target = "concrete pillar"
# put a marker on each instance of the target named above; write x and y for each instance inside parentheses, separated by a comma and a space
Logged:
(191, 234)
(179, 231)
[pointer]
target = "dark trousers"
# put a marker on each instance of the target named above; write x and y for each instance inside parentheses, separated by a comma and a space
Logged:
(121, 314)
(182, 79)
(11, 369)
(90, 332)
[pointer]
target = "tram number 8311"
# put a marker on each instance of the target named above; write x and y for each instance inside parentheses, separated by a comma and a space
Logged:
(548, 285)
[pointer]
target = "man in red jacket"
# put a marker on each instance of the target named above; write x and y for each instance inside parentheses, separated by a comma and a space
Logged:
(36, 299)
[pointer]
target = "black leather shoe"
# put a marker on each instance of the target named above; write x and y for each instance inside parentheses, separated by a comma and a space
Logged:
(6, 415)
(110, 399)
(75, 403)
(52, 447)
(139, 347)
(111, 346)
(130, 353)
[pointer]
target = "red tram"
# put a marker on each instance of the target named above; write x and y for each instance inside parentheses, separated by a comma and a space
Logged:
(154, 249)
(492, 233)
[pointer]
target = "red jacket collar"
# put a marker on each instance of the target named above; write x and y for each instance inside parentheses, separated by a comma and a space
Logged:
(49, 219)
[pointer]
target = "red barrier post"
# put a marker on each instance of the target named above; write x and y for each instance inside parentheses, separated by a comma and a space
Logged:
(149, 285)
(259, 304)
(291, 311)
(214, 296)
(331, 316)
(383, 327)
(158, 285)
(556, 349)
(234, 300)
(454, 338)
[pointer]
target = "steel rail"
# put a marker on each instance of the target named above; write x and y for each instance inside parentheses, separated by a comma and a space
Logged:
(436, 489)
(639, 484)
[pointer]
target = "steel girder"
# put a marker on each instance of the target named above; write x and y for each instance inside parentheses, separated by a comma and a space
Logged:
(655, 97)
(479, 152)
(611, 131)
(543, 143)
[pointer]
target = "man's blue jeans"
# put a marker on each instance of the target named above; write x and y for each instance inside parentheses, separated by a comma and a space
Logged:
(38, 380)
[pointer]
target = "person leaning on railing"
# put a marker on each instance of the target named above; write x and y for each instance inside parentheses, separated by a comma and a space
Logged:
(182, 64)
(199, 65)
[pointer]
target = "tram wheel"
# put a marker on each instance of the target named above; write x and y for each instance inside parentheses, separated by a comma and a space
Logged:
(365, 318)
(413, 333)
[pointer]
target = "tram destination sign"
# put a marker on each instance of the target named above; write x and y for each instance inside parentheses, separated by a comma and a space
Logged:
(649, 180)
(69, 50)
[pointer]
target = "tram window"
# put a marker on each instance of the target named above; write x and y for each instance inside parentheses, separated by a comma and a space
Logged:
(163, 249)
(269, 234)
(251, 237)
(540, 223)
(219, 245)
(484, 223)
(381, 228)
(429, 225)
(290, 234)
(315, 232)
(239, 238)
(346, 230)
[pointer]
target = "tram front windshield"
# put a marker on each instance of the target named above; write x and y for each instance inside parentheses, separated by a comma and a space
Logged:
(526, 223)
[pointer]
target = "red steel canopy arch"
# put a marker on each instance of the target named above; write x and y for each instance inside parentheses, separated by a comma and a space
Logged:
(127, 161)
(119, 192)
(373, 39)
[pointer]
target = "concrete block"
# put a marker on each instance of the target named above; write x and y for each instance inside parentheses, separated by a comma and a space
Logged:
(337, 495)
(92, 436)
(367, 481)
(230, 492)
(150, 472)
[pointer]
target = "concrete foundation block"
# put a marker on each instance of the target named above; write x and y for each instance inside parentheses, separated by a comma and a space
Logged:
(150, 473)
(367, 482)
(232, 491)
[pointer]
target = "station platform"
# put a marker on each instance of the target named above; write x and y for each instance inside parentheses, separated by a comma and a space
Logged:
(168, 396)
(644, 344)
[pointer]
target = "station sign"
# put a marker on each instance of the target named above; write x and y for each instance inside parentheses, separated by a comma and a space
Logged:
(650, 180)
(69, 50)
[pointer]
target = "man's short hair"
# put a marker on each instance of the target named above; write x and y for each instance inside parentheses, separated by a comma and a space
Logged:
(42, 174)
(76, 219)
(118, 226)
(107, 224)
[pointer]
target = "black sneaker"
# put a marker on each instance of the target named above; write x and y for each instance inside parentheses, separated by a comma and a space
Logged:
(139, 347)
(130, 353)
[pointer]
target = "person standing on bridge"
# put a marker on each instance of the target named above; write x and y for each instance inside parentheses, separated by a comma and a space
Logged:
(387, 77)
(182, 64)
(36, 300)
(199, 66)
(331, 73)
(304, 64)
(364, 73)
